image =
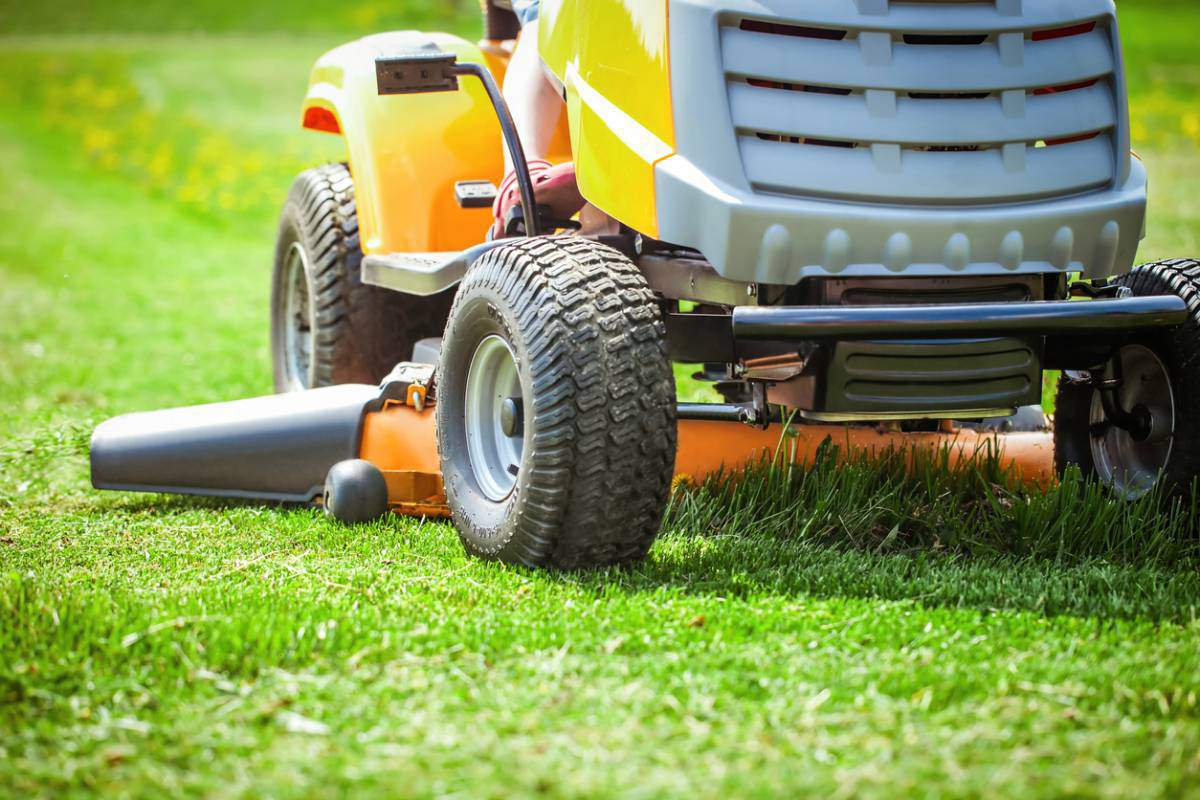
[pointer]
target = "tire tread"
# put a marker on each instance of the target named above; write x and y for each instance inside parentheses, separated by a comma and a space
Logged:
(602, 456)
(362, 331)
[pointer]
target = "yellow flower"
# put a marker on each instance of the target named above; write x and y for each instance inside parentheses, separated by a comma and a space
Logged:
(98, 140)
(106, 99)
(1191, 126)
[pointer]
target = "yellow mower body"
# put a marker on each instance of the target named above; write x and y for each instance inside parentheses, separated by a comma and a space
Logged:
(406, 154)
(613, 60)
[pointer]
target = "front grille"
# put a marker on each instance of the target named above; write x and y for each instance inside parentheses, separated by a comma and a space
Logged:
(916, 291)
(933, 378)
(934, 102)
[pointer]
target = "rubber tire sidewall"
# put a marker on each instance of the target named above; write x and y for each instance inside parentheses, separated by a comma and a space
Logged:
(290, 233)
(360, 332)
(589, 342)
(487, 528)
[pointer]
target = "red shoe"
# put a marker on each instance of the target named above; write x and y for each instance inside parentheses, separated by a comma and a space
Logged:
(553, 186)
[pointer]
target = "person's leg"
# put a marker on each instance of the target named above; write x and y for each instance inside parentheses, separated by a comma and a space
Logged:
(536, 108)
(531, 97)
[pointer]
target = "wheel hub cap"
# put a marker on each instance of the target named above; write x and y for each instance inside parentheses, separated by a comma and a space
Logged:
(298, 321)
(1131, 462)
(493, 417)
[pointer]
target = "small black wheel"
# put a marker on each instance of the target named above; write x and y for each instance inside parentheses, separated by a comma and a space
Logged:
(556, 406)
(355, 491)
(328, 327)
(1160, 387)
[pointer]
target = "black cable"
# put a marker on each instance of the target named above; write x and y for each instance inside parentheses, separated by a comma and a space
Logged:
(511, 140)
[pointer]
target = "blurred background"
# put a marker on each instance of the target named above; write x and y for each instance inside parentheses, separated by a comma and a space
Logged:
(147, 145)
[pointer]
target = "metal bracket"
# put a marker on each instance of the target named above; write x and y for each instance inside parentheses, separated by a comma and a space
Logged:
(1097, 291)
(756, 414)
(1137, 421)
(692, 279)
(409, 384)
(414, 73)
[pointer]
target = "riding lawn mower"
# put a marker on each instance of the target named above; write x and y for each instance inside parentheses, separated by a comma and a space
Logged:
(872, 222)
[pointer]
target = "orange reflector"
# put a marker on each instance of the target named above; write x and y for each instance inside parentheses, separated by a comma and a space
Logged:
(317, 118)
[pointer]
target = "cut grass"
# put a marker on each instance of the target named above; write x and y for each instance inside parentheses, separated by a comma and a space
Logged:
(852, 630)
(899, 501)
(233, 649)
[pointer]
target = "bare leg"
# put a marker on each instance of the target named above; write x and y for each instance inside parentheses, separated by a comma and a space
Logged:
(532, 98)
(536, 107)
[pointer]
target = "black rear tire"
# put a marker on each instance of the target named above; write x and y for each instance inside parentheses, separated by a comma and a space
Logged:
(1178, 350)
(327, 327)
(596, 431)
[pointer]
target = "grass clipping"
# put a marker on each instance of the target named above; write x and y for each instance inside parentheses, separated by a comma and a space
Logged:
(904, 499)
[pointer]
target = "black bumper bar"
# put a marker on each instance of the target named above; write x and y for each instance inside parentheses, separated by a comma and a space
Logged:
(1041, 318)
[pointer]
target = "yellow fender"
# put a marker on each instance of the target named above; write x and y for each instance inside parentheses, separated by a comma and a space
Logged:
(611, 57)
(407, 151)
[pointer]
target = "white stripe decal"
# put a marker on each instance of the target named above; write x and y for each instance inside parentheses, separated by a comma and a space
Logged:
(645, 144)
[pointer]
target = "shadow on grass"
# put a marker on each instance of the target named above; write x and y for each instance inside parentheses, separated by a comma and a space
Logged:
(911, 500)
(760, 566)
(183, 503)
(896, 526)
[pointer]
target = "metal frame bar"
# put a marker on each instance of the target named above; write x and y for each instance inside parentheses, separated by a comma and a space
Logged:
(511, 140)
(1041, 318)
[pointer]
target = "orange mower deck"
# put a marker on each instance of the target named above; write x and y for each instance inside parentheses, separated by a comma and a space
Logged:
(400, 441)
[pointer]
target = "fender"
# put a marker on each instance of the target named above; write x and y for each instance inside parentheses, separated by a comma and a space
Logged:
(611, 57)
(407, 151)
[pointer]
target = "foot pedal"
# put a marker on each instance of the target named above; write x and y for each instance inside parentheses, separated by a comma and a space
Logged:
(475, 194)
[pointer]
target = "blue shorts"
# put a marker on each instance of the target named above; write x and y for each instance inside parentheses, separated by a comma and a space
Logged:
(526, 10)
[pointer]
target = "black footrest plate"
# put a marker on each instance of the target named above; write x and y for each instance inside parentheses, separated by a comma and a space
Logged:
(475, 194)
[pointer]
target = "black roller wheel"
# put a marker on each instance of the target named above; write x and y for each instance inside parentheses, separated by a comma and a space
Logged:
(1160, 387)
(327, 327)
(355, 491)
(556, 406)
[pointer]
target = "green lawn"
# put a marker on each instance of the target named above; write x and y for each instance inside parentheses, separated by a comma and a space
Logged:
(848, 630)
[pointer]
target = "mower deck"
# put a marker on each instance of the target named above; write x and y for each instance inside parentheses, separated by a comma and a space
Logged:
(281, 447)
(399, 439)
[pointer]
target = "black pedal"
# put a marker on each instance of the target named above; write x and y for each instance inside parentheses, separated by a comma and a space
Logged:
(475, 194)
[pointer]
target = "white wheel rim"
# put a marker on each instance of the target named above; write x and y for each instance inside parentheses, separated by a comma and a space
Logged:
(495, 456)
(1129, 465)
(299, 316)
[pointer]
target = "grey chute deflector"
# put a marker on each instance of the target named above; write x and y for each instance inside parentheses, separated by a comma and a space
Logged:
(272, 448)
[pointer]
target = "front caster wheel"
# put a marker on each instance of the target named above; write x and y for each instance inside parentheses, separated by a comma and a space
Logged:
(355, 491)
(1146, 431)
(556, 406)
